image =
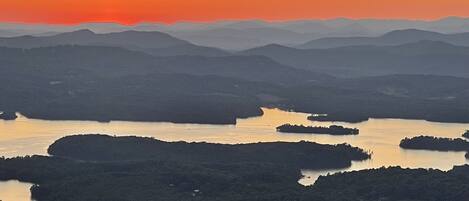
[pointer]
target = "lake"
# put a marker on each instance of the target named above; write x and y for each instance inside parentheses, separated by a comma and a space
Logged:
(15, 191)
(380, 136)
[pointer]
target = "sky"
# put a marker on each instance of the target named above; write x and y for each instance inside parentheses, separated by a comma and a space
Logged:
(171, 11)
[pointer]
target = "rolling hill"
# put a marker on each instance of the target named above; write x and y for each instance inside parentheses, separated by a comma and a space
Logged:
(397, 37)
(422, 57)
(156, 43)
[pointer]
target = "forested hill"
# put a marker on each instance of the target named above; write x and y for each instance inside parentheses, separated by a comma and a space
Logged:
(296, 155)
(254, 172)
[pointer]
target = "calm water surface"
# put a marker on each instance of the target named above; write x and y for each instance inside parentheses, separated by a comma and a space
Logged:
(14, 191)
(380, 136)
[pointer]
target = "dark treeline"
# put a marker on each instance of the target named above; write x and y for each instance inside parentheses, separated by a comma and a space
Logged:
(339, 117)
(125, 171)
(8, 115)
(68, 180)
(355, 103)
(434, 143)
(437, 144)
(331, 130)
(466, 134)
(395, 184)
(298, 155)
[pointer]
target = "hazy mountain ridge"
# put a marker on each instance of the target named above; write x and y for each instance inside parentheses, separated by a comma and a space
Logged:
(237, 39)
(247, 34)
(397, 37)
(114, 61)
(156, 43)
(421, 57)
(377, 26)
(87, 37)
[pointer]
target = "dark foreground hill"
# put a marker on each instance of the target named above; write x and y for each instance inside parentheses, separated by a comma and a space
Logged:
(299, 155)
(164, 171)
(395, 184)
(148, 169)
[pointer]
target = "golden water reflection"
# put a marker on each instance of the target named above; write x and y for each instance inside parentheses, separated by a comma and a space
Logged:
(14, 191)
(381, 136)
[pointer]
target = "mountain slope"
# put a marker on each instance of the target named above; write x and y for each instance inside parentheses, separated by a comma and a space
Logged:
(113, 62)
(398, 37)
(433, 98)
(238, 39)
(151, 42)
(87, 37)
(423, 57)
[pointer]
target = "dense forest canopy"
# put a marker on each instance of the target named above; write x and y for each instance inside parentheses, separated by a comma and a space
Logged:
(331, 130)
(132, 168)
(434, 143)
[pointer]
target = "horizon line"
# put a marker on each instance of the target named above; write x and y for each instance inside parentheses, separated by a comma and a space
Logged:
(234, 20)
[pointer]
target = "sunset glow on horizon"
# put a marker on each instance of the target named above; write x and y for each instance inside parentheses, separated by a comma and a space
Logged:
(170, 11)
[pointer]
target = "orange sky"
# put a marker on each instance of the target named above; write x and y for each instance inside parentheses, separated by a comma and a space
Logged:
(169, 11)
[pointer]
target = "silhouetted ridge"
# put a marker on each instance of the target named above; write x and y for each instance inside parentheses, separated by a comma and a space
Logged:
(152, 42)
(397, 37)
(77, 33)
(411, 34)
(429, 44)
(272, 46)
(372, 59)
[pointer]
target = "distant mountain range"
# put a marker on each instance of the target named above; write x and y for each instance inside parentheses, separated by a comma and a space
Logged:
(398, 37)
(397, 52)
(237, 35)
(155, 43)
(238, 39)
(422, 57)
(115, 61)
(86, 37)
